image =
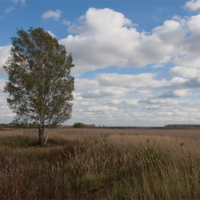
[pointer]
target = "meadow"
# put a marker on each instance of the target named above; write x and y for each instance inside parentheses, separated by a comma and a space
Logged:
(100, 164)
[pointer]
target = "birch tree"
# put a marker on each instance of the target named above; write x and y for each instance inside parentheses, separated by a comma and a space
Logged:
(39, 82)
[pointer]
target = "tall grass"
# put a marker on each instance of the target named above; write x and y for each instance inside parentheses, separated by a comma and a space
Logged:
(100, 164)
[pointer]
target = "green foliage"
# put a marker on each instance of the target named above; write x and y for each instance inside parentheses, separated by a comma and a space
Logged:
(39, 82)
(79, 125)
(150, 156)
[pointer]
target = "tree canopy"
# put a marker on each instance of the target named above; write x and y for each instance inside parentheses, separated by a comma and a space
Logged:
(39, 82)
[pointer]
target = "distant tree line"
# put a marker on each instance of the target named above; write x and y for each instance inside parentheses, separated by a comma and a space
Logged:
(182, 125)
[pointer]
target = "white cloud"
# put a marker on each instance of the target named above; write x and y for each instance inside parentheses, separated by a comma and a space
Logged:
(171, 33)
(113, 80)
(50, 33)
(83, 84)
(193, 5)
(190, 46)
(2, 83)
(120, 108)
(52, 14)
(157, 65)
(106, 92)
(174, 94)
(4, 54)
(144, 112)
(102, 108)
(106, 38)
(165, 101)
(124, 101)
(188, 72)
(67, 23)
(134, 106)
(177, 83)
(124, 80)
(9, 9)
(6, 115)
(111, 40)
(118, 84)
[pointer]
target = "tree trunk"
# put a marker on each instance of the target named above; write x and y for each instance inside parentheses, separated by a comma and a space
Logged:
(41, 134)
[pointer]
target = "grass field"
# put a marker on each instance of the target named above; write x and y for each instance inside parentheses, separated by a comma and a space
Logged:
(100, 164)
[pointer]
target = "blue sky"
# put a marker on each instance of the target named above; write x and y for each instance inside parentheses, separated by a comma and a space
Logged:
(137, 63)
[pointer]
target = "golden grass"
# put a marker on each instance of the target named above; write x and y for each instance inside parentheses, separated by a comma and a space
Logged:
(100, 164)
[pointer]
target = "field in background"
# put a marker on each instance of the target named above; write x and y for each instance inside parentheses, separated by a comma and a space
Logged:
(100, 164)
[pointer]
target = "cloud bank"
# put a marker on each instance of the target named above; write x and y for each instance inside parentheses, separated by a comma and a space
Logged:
(104, 38)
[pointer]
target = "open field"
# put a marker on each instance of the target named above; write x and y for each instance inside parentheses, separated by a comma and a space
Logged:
(100, 164)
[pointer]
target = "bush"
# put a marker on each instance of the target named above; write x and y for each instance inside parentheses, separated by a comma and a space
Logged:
(79, 125)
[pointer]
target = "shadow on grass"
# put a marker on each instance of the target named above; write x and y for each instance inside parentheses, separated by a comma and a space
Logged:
(52, 142)
(28, 141)
(18, 141)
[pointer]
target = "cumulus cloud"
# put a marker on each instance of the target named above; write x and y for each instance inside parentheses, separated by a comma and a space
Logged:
(176, 83)
(124, 101)
(135, 99)
(85, 84)
(171, 33)
(188, 72)
(105, 38)
(129, 103)
(190, 53)
(118, 84)
(123, 80)
(174, 94)
(114, 80)
(144, 112)
(52, 14)
(102, 108)
(193, 5)
(160, 101)
(106, 92)
(112, 40)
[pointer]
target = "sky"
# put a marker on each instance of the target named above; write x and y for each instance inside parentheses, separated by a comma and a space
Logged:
(137, 62)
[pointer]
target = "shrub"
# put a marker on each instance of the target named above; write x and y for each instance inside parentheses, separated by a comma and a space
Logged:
(79, 125)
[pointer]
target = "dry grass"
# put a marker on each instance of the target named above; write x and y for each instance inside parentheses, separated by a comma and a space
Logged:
(100, 164)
